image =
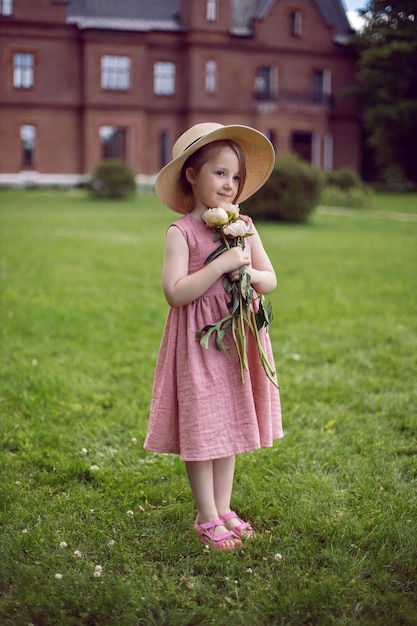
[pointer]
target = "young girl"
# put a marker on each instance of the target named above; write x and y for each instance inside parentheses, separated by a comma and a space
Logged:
(200, 407)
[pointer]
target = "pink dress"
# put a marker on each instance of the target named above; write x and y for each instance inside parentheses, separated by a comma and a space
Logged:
(200, 408)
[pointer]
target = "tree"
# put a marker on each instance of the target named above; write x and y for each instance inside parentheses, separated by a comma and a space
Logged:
(387, 86)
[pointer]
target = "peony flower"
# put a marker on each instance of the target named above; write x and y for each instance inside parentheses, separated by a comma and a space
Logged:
(215, 217)
(236, 229)
(232, 210)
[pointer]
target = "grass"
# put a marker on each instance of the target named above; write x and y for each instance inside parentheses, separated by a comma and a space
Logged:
(82, 313)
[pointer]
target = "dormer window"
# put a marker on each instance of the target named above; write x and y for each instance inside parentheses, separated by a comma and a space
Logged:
(211, 11)
(211, 77)
(6, 7)
(296, 23)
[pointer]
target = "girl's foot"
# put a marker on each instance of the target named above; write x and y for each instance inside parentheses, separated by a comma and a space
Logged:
(216, 535)
(242, 529)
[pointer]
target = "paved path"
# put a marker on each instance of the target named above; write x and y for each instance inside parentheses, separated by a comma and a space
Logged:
(378, 215)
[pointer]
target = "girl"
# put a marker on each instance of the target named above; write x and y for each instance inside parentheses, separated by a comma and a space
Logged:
(200, 407)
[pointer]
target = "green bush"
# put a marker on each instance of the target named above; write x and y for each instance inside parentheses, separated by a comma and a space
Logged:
(290, 194)
(112, 178)
(354, 198)
(344, 178)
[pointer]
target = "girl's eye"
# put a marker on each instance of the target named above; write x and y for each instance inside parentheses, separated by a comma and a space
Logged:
(237, 178)
(220, 173)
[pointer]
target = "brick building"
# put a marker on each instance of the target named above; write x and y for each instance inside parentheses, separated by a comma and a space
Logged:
(87, 79)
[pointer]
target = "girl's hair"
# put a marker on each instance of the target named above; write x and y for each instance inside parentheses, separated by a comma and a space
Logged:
(201, 156)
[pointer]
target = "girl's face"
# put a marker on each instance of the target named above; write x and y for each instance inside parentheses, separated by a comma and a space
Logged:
(217, 181)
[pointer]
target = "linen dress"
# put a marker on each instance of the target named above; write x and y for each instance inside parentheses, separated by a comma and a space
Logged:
(200, 408)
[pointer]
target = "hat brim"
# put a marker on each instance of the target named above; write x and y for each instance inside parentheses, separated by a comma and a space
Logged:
(259, 156)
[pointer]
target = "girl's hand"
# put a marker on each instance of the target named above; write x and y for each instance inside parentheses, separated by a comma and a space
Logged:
(235, 275)
(232, 260)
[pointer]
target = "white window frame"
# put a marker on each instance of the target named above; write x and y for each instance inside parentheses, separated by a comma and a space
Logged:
(266, 82)
(115, 72)
(23, 70)
(6, 7)
(211, 11)
(296, 23)
(164, 78)
(211, 77)
(323, 96)
(28, 142)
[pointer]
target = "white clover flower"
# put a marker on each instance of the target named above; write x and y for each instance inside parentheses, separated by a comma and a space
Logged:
(98, 570)
(63, 544)
(141, 509)
(236, 229)
(24, 531)
(84, 451)
(278, 556)
(130, 513)
(215, 217)
(58, 576)
(111, 543)
(94, 468)
(18, 482)
(34, 362)
(134, 441)
(78, 554)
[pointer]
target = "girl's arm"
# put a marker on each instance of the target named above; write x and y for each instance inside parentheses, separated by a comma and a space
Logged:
(261, 271)
(181, 288)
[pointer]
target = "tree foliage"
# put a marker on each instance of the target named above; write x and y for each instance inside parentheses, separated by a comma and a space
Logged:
(387, 85)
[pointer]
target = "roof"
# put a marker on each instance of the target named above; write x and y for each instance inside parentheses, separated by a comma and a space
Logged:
(139, 15)
(146, 15)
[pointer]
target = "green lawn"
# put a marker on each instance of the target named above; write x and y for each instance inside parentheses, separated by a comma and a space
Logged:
(334, 503)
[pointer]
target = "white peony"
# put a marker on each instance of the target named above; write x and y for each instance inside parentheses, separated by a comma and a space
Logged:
(215, 217)
(236, 229)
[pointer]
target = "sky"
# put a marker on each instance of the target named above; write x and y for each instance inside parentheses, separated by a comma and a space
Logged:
(351, 9)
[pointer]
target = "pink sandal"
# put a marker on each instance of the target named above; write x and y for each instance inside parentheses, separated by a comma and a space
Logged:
(208, 536)
(243, 529)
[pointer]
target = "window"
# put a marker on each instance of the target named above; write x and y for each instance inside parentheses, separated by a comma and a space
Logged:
(164, 78)
(211, 10)
(23, 71)
(295, 23)
(115, 73)
(6, 7)
(211, 77)
(113, 142)
(321, 86)
(266, 83)
(164, 155)
(28, 141)
(302, 145)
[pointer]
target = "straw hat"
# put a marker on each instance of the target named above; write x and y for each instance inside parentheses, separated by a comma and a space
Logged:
(257, 149)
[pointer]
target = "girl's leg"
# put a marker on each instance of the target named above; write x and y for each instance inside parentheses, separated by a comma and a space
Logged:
(201, 479)
(223, 474)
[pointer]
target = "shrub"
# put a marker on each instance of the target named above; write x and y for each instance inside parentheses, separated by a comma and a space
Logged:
(344, 178)
(354, 198)
(112, 178)
(290, 194)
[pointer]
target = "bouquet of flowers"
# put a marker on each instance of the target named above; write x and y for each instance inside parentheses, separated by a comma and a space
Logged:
(245, 310)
